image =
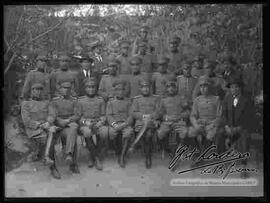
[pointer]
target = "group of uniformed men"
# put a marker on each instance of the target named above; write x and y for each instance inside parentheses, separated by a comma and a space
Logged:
(196, 99)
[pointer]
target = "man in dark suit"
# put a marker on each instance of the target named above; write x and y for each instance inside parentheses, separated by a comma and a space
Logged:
(238, 114)
(85, 72)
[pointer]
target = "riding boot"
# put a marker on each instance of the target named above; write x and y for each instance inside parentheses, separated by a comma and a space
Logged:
(118, 147)
(90, 146)
(123, 153)
(148, 160)
(54, 172)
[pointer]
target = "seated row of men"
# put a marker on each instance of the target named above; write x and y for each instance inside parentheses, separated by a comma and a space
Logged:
(121, 119)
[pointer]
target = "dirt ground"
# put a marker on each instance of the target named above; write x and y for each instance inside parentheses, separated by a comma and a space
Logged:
(34, 180)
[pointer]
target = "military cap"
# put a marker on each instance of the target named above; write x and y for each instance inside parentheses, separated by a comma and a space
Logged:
(113, 62)
(186, 64)
(219, 69)
(95, 45)
(66, 84)
(162, 59)
(142, 44)
(135, 60)
(235, 80)
(37, 86)
(124, 44)
(144, 27)
(42, 57)
(118, 82)
(145, 81)
(90, 82)
(171, 81)
(175, 39)
(204, 80)
(209, 64)
(85, 57)
(228, 58)
(63, 57)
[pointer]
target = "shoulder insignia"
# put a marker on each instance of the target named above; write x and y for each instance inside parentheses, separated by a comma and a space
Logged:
(138, 96)
(180, 76)
(82, 97)
(74, 98)
(57, 97)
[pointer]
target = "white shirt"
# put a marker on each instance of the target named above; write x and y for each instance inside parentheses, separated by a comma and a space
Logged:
(85, 73)
(235, 101)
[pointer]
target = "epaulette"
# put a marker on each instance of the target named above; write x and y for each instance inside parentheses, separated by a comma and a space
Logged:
(180, 76)
(74, 98)
(82, 97)
(155, 95)
(138, 96)
(57, 97)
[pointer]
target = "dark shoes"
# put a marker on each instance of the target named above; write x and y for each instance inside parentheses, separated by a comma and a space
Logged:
(98, 165)
(54, 172)
(48, 161)
(148, 163)
(74, 168)
(122, 162)
(91, 163)
(69, 159)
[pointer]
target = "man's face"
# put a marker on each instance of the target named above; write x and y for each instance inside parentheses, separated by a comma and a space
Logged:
(41, 65)
(204, 89)
(135, 67)
(120, 91)
(36, 93)
(162, 67)
(86, 65)
(65, 91)
(171, 90)
(208, 71)
(98, 50)
(112, 69)
(173, 46)
(227, 65)
(63, 63)
(143, 34)
(187, 72)
(91, 90)
(235, 89)
(142, 50)
(145, 90)
(124, 51)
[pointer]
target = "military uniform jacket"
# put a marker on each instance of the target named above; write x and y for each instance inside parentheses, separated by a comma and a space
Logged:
(174, 108)
(67, 76)
(175, 62)
(90, 108)
(106, 86)
(134, 86)
(196, 73)
(33, 114)
(36, 77)
(159, 80)
(206, 108)
(145, 105)
(64, 108)
(186, 85)
(148, 63)
(118, 110)
(215, 89)
(125, 66)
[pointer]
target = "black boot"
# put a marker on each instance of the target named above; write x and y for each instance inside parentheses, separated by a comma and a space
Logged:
(117, 144)
(74, 168)
(98, 164)
(148, 158)
(165, 146)
(54, 172)
(124, 150)
(91, 148)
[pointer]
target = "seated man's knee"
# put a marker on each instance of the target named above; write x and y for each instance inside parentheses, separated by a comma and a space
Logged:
(128, 132)
(103, 132)
(85, 131)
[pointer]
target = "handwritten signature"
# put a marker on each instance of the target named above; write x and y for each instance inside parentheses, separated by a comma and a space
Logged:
(218, 167)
